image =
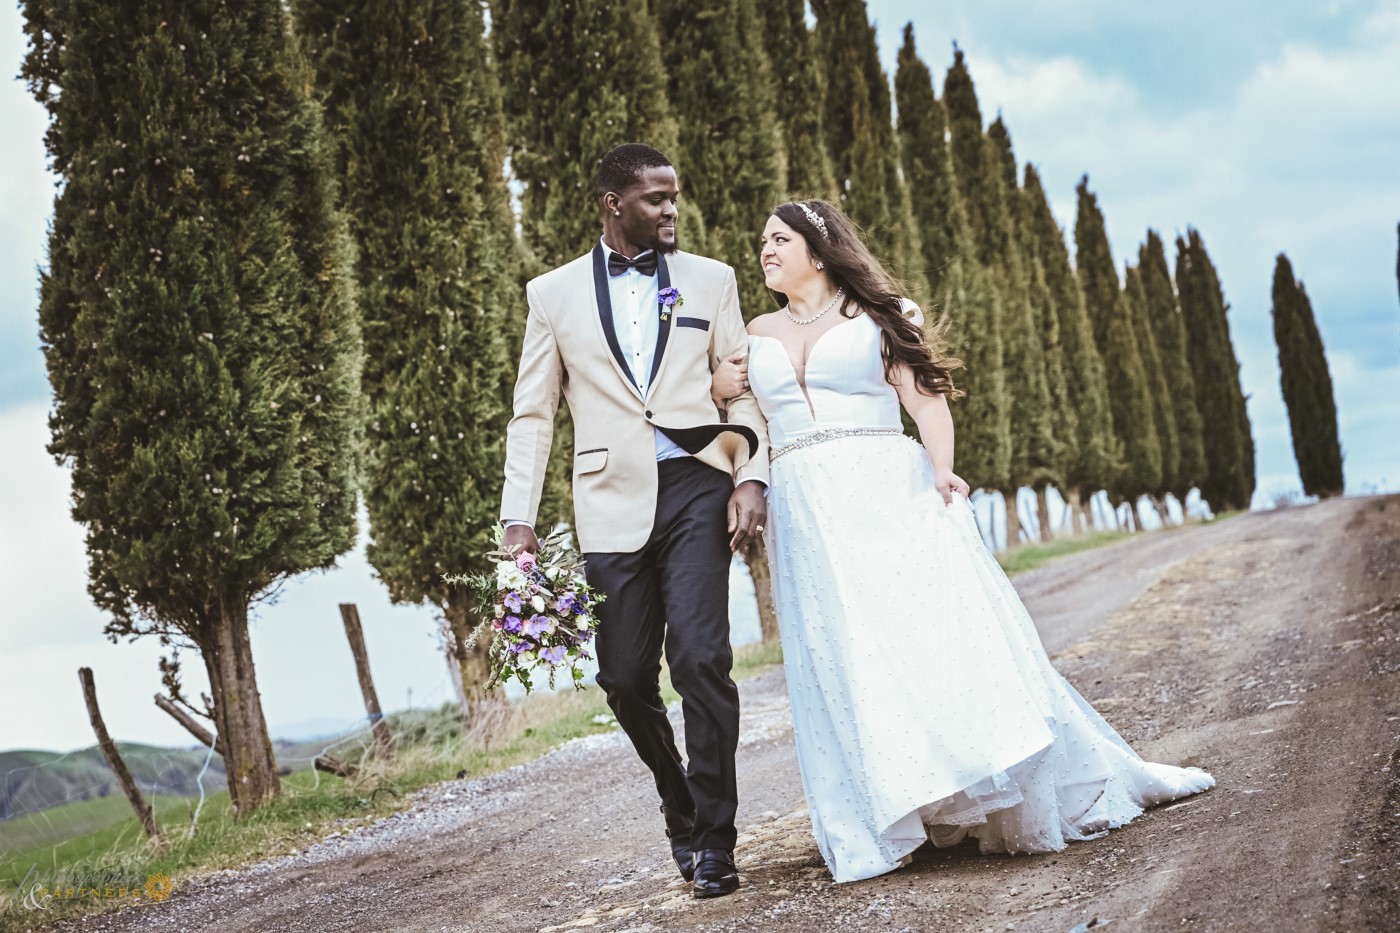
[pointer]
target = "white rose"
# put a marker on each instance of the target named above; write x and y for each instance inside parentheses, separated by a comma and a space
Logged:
(538, 602)
(584, 624)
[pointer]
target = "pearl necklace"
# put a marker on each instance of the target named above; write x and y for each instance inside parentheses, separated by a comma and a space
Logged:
(787, 309)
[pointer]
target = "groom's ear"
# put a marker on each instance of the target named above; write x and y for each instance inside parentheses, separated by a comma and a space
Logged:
(610, 202)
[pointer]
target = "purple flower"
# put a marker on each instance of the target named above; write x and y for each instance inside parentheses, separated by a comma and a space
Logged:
(513, 624)
(553, 655)
(535, 625)
(519, 646)
(565, 603)
(512, 602)
(670, 297)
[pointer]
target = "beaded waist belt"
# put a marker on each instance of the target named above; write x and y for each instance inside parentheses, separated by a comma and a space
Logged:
(829, 434)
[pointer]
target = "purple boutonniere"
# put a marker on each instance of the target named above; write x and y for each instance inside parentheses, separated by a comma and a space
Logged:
(669, 298)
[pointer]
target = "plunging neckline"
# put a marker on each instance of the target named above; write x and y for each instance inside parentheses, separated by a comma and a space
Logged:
(811, 352)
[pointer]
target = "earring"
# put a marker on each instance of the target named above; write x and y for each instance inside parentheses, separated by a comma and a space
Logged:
(820, 265)
(618, 213)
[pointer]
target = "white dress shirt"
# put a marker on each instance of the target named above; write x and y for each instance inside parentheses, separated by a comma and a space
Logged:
(637, 322)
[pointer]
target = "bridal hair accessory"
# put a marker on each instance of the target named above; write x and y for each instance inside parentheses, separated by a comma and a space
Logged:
(787, 309)
(815, 219)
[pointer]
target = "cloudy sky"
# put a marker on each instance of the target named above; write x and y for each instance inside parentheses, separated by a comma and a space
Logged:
(1268, 126)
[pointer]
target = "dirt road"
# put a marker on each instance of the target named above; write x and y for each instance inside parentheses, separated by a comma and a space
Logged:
(1265, 649)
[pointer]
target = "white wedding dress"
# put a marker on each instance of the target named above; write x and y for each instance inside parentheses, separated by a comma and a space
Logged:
(924, 704)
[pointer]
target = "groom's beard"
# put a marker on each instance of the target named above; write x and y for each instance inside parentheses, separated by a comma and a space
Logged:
(664, 249)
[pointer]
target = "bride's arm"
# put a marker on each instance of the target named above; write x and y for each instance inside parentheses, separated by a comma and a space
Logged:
(935, 421)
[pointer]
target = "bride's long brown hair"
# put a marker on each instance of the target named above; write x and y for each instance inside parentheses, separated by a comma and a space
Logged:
(872, 289)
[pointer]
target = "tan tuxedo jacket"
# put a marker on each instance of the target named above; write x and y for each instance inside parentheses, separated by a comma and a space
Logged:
(571, 346)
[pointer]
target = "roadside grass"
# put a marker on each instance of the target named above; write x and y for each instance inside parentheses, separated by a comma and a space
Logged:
(1035, 554)
(432, 746)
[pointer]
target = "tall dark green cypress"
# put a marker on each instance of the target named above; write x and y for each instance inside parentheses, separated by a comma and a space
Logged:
(861, 138)
(199, 326)
(799, 83)
(1035, 451)
(412, 95)
(1169, 331)
(1307, 385)
(937, 209)
(1094, 454)
(960, 287)
(729, 142)
(1158, 388)
(1229, 479)
(1129, 399)
(982, 349)
(581, 77)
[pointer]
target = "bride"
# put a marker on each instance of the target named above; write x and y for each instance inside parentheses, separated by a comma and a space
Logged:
(925, 707)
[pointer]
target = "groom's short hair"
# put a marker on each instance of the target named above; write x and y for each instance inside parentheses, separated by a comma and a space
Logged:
(621, 168)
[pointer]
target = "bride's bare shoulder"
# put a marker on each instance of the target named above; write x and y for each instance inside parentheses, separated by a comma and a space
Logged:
(762, 326)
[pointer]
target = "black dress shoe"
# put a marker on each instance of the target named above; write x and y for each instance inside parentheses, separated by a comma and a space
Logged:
(715, 874)
(678, 832)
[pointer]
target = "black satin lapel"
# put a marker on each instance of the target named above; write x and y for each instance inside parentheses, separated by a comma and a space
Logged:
(663, 332)
(600, 288)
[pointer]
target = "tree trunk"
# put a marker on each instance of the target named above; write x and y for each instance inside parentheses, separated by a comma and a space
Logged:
(1078, 525)
(1134, 518)
(473, 662)
(249, 763)
(114, 759)
(1160, 504)
(191, 725)
(1012, 519)
(383, 741)
(755, 555)
(1042, 511)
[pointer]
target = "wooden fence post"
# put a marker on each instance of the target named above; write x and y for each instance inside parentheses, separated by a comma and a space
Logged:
(383, 740)
(114, 759)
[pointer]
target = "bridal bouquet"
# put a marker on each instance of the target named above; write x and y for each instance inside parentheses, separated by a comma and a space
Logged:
(538, 608)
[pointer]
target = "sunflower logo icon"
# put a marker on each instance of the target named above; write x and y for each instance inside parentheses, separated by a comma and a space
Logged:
(159, 886)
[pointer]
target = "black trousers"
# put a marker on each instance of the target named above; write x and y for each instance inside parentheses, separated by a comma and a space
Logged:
(675, 592)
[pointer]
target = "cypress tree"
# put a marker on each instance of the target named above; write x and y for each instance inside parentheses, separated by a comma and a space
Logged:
(1169, 332)
(412, 94)
(960, 287)
(722, 96)
(981, 346)
(198, 322)
(1307, 385)
(861, 138)
(799, 82)
(1229, 479)
(937, 209)
(1035, 452)
(1093, 451)
(581, 77)
(1158, 389)
(1129, 400)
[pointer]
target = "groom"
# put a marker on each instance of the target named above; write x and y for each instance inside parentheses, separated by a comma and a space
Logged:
(663, 491)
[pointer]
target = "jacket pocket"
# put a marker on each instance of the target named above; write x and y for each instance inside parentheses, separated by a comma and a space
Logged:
(590, 461)
(698, 323)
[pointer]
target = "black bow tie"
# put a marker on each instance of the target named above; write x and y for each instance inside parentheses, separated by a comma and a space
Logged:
(645, 263)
